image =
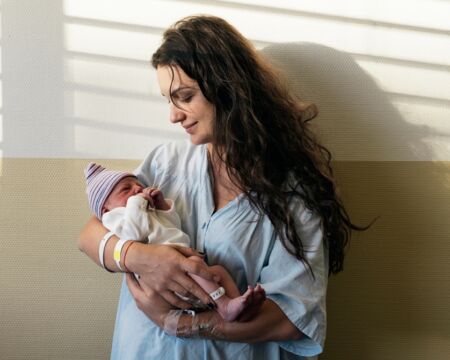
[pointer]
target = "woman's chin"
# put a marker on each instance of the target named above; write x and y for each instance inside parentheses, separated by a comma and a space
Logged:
(196, 140)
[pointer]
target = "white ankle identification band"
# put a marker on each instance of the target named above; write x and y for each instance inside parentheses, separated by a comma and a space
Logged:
(217, 294)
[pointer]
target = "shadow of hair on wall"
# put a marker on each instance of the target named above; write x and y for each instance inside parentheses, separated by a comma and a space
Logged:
(391, 286)
(356, 119)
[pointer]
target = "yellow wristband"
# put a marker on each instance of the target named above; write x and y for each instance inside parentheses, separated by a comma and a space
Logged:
(118, 252)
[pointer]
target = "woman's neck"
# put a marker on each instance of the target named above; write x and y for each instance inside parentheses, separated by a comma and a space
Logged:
(224, 189)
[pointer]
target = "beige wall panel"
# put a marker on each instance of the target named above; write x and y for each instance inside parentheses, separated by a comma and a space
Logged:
(391, 302)
(393, 299)
(54, 303)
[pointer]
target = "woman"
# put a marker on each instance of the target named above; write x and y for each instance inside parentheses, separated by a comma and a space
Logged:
(254, 191)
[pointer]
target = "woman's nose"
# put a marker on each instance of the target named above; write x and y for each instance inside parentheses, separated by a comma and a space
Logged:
(176, 114)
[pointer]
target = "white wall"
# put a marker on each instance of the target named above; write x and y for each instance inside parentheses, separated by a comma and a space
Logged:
(77, 82)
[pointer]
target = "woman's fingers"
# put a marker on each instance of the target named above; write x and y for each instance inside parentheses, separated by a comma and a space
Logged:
(155, 305)
(198, 268)
(168, 273)
(177, 288)
(142, 296)
(174, 300)
(193, 288)
(187, 251)
(134, 287)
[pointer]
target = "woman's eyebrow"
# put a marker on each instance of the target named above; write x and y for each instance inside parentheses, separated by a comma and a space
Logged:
(181, 88)
(174, 92)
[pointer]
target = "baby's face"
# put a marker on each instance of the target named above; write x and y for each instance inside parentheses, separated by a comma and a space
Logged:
(125, 188)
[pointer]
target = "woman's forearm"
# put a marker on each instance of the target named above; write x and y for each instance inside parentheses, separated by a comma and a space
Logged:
(271, 324)
(89, 241)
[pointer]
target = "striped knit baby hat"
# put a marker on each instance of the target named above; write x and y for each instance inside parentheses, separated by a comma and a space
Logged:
(99, 184)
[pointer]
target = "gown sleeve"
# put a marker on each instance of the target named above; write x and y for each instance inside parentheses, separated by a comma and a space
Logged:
(166, 166)
(291, 285)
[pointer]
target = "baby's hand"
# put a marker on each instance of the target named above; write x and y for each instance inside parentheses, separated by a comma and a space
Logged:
(146, 194)
(157, 198)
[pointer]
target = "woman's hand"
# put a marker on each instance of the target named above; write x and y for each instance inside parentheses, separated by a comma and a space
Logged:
(269, 324)
(149, 302)
(163, 271)
(207, 324)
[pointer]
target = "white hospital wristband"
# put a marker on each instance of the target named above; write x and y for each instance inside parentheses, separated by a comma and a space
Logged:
(118, 252)
(101, 249)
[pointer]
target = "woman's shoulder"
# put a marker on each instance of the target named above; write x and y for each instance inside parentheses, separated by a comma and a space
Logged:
(176, 154)
(175, 150)
(173, 158)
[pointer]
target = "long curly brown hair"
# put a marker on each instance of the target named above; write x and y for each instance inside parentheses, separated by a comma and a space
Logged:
(261, 131)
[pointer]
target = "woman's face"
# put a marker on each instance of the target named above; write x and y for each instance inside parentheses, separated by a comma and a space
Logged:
(194, 113)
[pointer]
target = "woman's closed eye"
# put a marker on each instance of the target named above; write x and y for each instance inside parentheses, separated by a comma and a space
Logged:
(182, 98)
(187, 98)
(185, 95)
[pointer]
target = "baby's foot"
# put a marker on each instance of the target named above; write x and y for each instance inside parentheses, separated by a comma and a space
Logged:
(255, 302)
(236, 306)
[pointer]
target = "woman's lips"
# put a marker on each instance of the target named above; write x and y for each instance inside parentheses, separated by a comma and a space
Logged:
(189, 129)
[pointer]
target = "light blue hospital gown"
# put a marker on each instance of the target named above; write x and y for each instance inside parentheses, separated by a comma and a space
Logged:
(246, 246)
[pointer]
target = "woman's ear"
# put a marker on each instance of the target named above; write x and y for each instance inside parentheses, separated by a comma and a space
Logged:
(309, 110)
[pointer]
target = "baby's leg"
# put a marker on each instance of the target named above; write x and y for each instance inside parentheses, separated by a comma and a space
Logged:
(231, 304)
(226, 281)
